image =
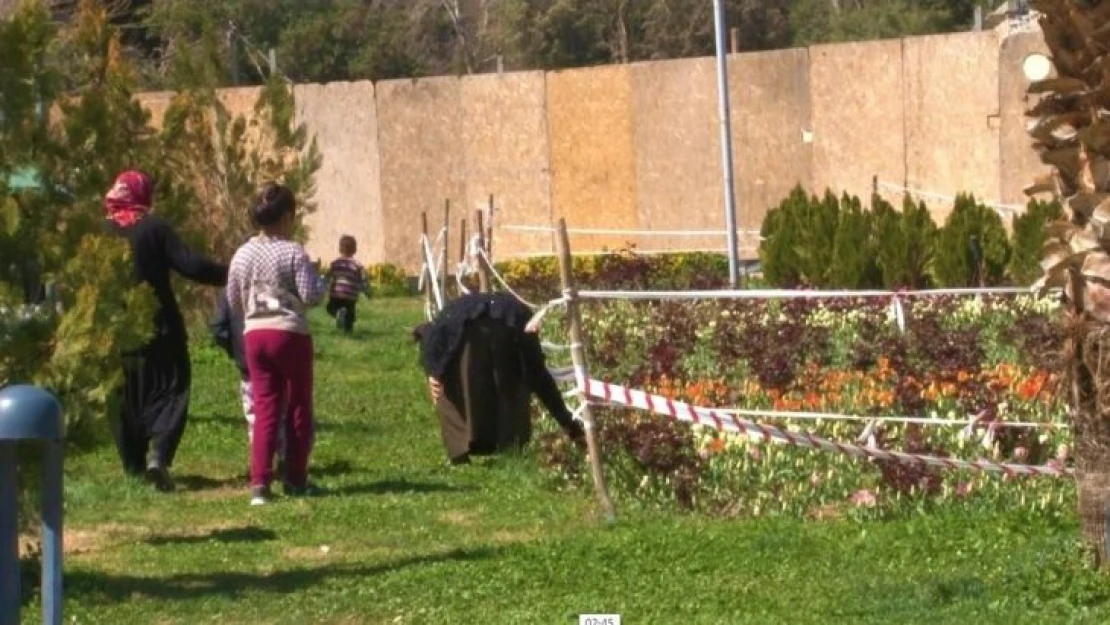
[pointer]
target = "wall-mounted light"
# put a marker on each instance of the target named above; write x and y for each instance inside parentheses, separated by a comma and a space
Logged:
(1036, 67)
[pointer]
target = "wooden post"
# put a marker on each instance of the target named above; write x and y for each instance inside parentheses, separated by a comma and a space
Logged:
(578, 355)
(489, 229)
(483, 266)
(428, 280)
(874, 190)
(734, 40)
(462, 250)
(446, 249)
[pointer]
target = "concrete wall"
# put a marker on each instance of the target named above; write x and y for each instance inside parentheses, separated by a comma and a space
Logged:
(636, 146)
(1018, 163)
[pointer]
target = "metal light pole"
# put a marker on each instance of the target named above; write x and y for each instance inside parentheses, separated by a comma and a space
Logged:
(726, 144)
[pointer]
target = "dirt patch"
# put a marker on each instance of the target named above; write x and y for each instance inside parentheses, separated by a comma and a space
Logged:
(310, 554)
(827, 512)
(458, 517)
(83, 540)
(514, 536)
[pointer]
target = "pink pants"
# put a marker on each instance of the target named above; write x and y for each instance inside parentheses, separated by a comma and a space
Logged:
(280, 367)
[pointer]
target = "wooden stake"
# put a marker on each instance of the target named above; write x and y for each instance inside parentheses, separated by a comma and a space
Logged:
(446, 249)
(483, 266)
(428, 281)
(462, 239)
(489, 229)
(578, 355)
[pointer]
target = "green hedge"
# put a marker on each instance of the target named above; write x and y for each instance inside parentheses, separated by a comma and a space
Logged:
(831, 242)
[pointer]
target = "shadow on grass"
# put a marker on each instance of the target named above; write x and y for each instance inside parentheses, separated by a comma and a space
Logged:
(229, 535)
(399, 487)
(108, 588)
(204, 482)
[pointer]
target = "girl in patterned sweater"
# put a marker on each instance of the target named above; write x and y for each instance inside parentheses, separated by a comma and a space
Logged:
(271, 284)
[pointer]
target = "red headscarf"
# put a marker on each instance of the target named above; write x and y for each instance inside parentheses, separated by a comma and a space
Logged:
(129, 199)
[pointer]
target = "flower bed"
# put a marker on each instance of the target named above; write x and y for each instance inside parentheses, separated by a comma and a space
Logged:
(957, 357)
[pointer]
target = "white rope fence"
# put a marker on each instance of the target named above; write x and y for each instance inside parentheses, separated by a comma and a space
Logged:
(1006, 210)
(629, 232)
(738, 294)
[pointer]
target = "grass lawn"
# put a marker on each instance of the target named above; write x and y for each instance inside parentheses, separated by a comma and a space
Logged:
(403, 538)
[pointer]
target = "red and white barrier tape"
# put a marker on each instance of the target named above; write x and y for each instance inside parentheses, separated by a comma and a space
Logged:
(682, 411)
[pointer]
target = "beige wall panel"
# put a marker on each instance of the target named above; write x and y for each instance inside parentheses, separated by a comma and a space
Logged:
(770, 100)
(343, 118)
(1019, 164)
(504, 135)
(421, 160)
(858, 121)
(678, 153)
(952, 116)
(593, 160)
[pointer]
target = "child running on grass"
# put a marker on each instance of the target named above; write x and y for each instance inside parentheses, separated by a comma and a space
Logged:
(271, 284)
(348, 280)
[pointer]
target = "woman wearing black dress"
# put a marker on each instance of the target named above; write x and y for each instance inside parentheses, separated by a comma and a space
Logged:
(482, 367)
(158, 375)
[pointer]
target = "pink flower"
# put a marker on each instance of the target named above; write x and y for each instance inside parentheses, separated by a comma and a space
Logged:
(1021, 454)
(755, 453)
(864, 499)
(963, 489)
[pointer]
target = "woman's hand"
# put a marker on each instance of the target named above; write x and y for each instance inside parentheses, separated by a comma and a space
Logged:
(435, 388)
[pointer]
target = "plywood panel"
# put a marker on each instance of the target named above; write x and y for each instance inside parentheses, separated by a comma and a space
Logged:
(678, 154)
(421, 159)
(952, 116)
(858, 122)
(589, 114)
(343, 118)
(770, 110)
(504, 136)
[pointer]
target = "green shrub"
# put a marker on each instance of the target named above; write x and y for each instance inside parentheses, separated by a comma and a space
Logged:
(537, 278)
(1027, 240)
(904, 243)
(387, 280)
(778, 253)
(816, 238)
(853, 263)
(972, 248)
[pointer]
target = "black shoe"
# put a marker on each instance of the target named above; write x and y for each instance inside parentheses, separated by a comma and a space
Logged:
(341, 319)
(160, 478)
(463, 459)
(308, 490)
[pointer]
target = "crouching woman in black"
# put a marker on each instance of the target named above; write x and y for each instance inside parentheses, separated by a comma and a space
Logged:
(482, 367)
